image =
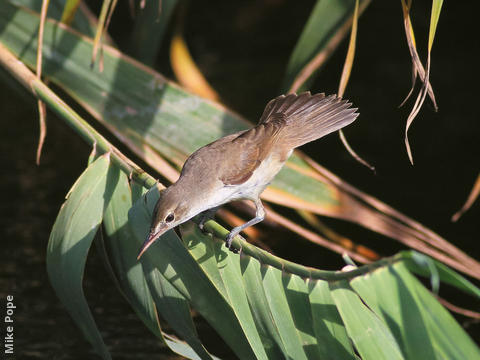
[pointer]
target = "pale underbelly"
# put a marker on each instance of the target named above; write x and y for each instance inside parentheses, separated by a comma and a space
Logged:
(254, 186)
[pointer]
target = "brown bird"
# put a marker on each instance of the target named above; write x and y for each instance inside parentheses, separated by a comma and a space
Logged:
(241, 165)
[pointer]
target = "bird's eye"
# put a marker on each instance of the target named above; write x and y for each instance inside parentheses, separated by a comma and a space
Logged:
(169, 218)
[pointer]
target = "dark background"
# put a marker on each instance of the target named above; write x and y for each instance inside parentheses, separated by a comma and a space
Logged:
(243, 48)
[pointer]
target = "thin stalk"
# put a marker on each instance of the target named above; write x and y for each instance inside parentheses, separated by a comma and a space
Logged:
(290, 267)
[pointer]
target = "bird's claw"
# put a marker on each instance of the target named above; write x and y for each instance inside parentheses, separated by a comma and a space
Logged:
(228, 243)
(201, 226)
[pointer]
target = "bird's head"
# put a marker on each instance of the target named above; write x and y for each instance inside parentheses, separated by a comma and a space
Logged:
(171, 210)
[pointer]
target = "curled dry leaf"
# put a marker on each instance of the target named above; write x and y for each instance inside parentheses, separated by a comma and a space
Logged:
(470, 200)
(417, 66)
(42, 110)
(347, 68)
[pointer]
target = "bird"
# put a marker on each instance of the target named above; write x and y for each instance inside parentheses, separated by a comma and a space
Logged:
(241, 165)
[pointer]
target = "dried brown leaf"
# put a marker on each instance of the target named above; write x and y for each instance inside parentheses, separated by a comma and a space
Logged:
(347, 69)
(42, 109)
(417, 66)
(470, 200)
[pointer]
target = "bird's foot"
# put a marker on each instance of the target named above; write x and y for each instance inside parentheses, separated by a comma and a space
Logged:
(201, 225)
(228, 242)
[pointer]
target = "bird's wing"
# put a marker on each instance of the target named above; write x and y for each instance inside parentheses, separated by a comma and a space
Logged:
(247, 151)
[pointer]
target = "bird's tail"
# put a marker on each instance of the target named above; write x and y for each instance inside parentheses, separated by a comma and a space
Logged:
(308, 117)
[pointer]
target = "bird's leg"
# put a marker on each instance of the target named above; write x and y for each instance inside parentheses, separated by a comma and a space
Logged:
(205, 216)
(259, 216)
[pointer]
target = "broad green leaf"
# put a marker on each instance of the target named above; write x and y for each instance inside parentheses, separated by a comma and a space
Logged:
(332, 338)
(204, 253)
(182, 348)
(450, 340)
(223, 269)
(80, 22)
(151, 23)
(137, 287)
(414, 315)
(385, 293)
(296, 292)
(268, 330)
(70, 239)
(229, 268)
(171, 258)
(281, 313)
(174, 308)
(119, 234)
(369, 334)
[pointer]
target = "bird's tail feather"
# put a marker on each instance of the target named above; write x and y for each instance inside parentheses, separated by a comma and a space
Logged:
(308, 117)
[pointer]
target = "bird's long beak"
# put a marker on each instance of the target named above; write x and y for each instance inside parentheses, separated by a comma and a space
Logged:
(151, 238)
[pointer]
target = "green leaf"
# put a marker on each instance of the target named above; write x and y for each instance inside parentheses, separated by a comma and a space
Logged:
(81, 21)
(370, 335)
(281, 313)
(70, 239)
(128, 270)
(332, 338)
(296, 292)
(435, 16)
(240, 286)
(421, 325)
(325, 22)
(151, 23)
(174, 308)
(138, 287)
(267, 328)
(385, 293)
(203, 250)
(229, 268)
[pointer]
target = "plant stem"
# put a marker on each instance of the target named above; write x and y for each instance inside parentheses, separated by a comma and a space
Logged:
(293, 268)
